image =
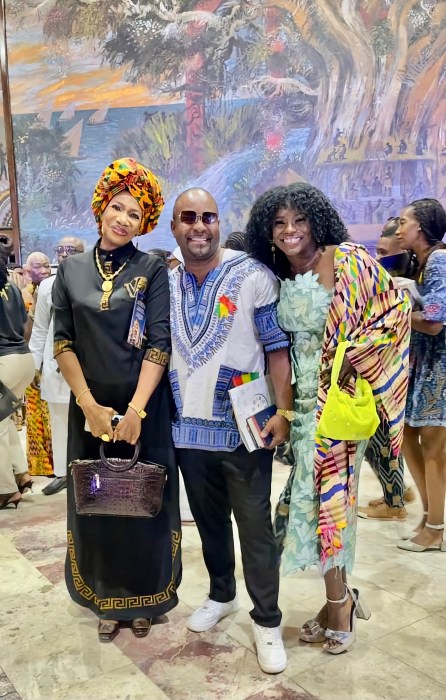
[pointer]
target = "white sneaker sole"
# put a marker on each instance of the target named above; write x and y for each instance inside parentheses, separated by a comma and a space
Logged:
(277, 668)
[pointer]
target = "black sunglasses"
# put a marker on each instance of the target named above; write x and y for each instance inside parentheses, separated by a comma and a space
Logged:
(68, 249)
(191, 217)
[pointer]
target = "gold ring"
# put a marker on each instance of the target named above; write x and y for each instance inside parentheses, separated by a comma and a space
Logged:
(105, 437)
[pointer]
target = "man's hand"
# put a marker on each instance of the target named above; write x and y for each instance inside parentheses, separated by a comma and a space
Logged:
(36, 381)
(279, 428)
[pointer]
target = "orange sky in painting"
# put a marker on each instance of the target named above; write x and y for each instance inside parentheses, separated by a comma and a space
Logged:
(87, 83)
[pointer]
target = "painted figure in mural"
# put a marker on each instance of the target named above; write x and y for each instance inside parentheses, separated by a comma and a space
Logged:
(388, 180)
(364, 190)
(376, 187)
(53, 388)
(16, 372)
(388, 149)
(212, 344)
(388, 469)
(124, 569)
(402, 147)
(421, 230)
(38, 431)
(298, 234)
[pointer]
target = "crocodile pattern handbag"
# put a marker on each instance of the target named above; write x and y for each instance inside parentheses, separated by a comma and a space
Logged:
(118, 487)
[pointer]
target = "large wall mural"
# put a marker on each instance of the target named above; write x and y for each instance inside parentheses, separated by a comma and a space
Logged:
(233, 96)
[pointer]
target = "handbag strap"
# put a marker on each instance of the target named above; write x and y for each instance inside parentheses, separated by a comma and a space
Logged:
(122, 467)
(338, 360)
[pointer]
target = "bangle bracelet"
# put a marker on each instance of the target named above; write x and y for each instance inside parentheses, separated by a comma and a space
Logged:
(139, 411)
(78, 398)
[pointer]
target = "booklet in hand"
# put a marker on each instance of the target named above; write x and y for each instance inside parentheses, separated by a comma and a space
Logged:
(256, 424)
(248, 400)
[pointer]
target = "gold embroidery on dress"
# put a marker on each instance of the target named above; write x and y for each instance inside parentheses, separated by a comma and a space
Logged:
(61, 346)
(158, 357)
(121, 603)
(138, 284)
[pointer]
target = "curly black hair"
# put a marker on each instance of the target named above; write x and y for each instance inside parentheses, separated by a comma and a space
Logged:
(327, 226)
(431, 216)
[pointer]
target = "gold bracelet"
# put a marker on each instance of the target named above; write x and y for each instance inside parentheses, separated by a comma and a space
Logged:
(141, 413)
(78, 398)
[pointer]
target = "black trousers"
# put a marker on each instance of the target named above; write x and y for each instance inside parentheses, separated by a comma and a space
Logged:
(218, 483)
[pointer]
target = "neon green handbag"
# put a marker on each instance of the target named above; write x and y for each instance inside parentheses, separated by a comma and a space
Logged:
(346, 417)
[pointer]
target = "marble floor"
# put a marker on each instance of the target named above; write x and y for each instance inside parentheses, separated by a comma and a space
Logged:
(49, 648)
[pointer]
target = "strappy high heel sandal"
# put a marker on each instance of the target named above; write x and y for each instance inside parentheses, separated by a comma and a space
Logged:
(313, 632)
(414, 532)
(10, 499)
(410, 546)
(26, 485)
(345, 639)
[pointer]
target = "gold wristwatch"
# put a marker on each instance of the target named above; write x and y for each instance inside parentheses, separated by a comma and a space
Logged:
(286, 413)
(141, 413)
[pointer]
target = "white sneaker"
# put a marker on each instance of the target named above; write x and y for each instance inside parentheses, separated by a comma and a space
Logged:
(211, 612)
(271, 654)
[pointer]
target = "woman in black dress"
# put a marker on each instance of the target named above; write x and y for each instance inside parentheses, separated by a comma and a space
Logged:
(124, 569)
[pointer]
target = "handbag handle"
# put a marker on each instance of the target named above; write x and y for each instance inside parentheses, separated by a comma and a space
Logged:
(123, 467)
(338, 360)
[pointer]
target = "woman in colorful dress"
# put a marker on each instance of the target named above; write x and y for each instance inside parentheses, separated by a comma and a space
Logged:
(126, 570)
(331, 291)
(421, 230)
(39, 449)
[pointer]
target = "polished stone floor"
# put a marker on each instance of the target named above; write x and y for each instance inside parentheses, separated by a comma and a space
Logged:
(49, 648)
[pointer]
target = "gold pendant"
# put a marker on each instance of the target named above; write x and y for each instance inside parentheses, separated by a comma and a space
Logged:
(107, 286)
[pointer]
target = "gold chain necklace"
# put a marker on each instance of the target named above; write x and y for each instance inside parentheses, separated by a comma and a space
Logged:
(107, 284)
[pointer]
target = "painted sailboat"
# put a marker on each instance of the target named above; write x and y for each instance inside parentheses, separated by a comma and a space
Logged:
(73, 138)
(99, 117)
(44, 119)
(67, 114)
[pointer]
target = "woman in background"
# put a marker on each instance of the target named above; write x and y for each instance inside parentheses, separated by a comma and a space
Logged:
(331, 291)
(126, 570)
(421, 230)
(16, 372)
(39, 449)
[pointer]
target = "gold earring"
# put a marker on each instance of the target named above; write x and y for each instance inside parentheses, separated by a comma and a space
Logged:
(273, 250)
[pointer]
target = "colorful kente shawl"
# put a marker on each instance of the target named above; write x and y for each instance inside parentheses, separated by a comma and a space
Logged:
(370, 311)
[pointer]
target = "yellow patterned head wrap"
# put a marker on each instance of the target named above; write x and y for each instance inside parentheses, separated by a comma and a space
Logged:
(127, 174)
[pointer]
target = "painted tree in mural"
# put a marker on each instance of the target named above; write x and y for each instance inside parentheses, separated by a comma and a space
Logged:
(359, 66)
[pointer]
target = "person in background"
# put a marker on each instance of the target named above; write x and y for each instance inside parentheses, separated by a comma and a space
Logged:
(388, 469)
(300, 236)
(185, 512)
(38, 431)
(235, 241)
(16, 372)
(53, 387)
(223, 316)
(421, 230)
(126, 570)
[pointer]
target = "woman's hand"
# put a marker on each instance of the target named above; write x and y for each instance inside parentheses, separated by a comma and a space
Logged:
(279, 428)
(128, 428)
(347, 371)
(99, 419)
